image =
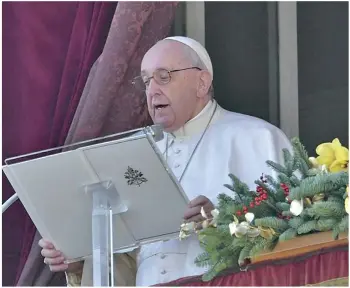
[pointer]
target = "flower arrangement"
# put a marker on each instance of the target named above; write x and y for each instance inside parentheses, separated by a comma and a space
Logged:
(309, 195)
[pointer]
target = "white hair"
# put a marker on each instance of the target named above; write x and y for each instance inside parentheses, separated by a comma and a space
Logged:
(194, 59)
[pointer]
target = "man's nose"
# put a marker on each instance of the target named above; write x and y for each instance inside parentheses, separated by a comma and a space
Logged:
(153, 87)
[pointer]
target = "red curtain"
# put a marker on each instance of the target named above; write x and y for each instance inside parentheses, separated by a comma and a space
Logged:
(311, 269)
(48, 50)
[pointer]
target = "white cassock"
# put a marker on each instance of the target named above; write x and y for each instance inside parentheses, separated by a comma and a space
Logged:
(233, 143)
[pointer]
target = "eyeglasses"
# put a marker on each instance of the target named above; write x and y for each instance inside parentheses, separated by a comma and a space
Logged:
(161, 76)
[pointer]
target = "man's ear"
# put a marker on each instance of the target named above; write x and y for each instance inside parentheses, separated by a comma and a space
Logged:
(205, 81)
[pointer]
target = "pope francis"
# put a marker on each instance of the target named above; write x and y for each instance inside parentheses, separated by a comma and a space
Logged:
(203, 143)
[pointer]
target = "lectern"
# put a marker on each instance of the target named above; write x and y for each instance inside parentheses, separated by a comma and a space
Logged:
(100, 197)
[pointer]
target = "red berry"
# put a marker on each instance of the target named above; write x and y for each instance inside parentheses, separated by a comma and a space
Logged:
(283, 185)
(238, 213)
(245, 211)
(257, 203)
(286, 189)
(245, 208)
(264, 196)
(259, 188)
(251, 204)
(257, 199)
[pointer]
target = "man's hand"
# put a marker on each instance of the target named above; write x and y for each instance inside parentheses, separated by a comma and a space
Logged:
(55, 258)
(193, 212)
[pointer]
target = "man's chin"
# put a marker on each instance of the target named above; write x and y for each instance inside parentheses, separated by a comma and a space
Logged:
(165, 126)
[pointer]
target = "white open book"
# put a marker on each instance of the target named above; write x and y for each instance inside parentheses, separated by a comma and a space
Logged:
(51, 190)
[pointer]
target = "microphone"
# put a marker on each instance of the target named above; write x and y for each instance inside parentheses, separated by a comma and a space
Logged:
(157, 132)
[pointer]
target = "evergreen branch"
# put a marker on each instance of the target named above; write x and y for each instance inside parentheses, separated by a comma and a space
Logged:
(303, 167)
(284, 179)
(272, 222)
(295, 222)
(326, 210)
(224, 199)
(270, 205)
(344, 224)
(307, 227)
(272, 181)
(326, 224)
(214, 270)
(295, 162)
(239, 186)
(320, 183)
(203, 260)
(336, 199)
(300, 150)
(287, 213)
(277, 167)
(287, 156)
(294, 181)
(244, 254)
(266, 188)
(282, 206)
(228, 186)
(288, 234)
(264, 245)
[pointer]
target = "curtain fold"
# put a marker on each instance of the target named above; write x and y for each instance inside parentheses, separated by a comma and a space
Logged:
(48, 50)
(111, 104)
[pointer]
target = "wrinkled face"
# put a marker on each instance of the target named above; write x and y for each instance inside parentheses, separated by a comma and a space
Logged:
(172, 104)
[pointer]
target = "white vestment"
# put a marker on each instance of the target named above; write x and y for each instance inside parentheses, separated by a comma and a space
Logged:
(233, 143)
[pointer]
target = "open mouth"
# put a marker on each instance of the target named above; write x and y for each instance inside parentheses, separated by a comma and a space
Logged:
(159, 107)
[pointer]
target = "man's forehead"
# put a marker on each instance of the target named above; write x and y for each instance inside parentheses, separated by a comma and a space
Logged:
(165, 54)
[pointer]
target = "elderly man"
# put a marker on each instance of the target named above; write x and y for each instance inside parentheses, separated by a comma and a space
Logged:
(202, 145)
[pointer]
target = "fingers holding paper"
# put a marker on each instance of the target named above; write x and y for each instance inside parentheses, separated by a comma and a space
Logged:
(193, 212)
(52, 257)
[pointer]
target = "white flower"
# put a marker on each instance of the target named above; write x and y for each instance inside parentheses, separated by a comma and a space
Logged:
(233, 227)
(183, 235)
(314, 162)
(296, 207)
(205, 224)
(324, 168)
(243, 228)
(188, 227)
(253, 232)
(249, 217)
(215, 214)
(204, 215)
(186, 230)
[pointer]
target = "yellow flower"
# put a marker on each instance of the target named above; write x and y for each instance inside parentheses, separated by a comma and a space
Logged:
(333, 155)
(347, 200)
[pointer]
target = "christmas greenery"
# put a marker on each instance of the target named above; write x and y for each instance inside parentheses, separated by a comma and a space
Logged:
(306, 196)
